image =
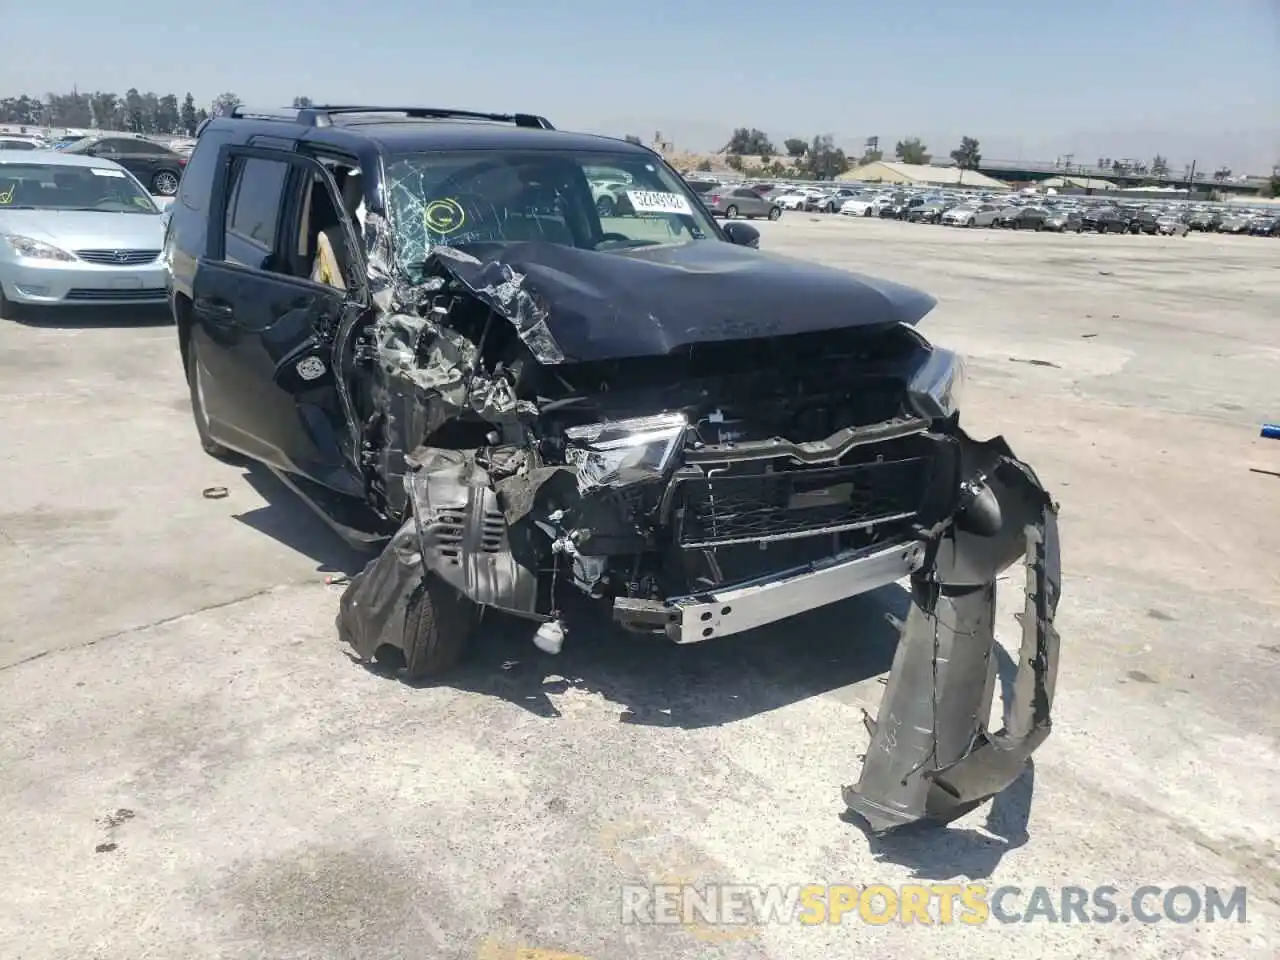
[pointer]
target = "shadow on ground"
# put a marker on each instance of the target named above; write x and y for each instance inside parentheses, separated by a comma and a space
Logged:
(288, 520)
(658, 683)
(75, 318)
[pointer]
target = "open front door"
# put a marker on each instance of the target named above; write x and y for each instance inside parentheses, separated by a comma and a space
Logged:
(262, 330)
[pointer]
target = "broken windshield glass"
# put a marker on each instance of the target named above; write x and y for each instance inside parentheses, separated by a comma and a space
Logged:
(588, 200)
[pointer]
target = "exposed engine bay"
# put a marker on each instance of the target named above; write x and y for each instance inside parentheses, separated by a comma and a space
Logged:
(723, 482)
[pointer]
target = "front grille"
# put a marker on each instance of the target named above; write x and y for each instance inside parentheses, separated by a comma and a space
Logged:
(725, 509)
(107, 296)
(118, 258)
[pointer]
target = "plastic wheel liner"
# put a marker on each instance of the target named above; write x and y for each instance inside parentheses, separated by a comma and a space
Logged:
(931, 755)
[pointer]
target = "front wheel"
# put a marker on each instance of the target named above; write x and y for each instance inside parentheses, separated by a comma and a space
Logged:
(165, 183)
(775, 213)
(195, 382)
(605, 206)
(439, 623)
(730, 212)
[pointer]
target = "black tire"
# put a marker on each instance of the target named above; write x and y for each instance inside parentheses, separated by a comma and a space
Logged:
(212, 447)
(1102, 228)
(775, 213)
(6, 308)
(605, 207)
(439, 622)
(731, 212)
(165, 183)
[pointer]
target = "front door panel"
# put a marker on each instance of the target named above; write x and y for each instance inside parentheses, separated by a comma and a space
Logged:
(268, 388)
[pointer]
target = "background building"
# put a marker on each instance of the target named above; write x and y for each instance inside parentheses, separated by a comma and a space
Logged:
(921, 175)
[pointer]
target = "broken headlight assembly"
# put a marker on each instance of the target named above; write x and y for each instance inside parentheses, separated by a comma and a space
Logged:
(936, 388)
(624, 451)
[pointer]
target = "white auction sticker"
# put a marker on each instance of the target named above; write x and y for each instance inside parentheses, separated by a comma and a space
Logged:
(647, 201)
(106, 172)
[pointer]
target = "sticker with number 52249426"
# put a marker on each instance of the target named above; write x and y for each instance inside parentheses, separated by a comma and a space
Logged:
(649, 201)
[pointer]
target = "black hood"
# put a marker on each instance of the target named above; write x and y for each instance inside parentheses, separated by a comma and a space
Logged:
(585, 305)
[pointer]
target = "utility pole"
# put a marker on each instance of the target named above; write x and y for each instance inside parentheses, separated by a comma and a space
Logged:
(1191, 179)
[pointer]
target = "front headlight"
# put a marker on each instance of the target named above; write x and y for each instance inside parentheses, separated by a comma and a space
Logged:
(35, 249)
(624, 451)
(936, 388)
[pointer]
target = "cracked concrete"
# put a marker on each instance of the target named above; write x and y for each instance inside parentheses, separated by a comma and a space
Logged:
(288, 803)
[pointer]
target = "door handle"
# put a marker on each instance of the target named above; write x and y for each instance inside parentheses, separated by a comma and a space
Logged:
(214, 310)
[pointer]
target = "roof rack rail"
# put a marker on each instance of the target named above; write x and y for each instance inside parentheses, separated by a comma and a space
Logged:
(322, 116)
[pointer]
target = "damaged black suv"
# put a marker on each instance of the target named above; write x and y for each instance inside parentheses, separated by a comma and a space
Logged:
(430, 324)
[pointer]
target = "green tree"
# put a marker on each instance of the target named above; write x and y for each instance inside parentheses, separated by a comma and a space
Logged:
(224, 103)
(823, 160)
(187, 115)
(911, 150)
(734, 161)
(750, 142)
(966, 155)
(795, 147)
(104, 106)
(167, 119)
(300, 103)
(134, 112)
(1272, 187)
(632, 138)
(704, 165)
(870, 155)
(1159, 166)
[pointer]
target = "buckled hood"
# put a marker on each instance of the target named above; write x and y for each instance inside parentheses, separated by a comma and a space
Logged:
(656, 300)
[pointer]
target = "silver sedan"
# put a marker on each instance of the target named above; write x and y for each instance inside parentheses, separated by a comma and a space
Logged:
(732, 202)
(76, 230)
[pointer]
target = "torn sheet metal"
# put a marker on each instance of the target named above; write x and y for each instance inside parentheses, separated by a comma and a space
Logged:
(931, 754)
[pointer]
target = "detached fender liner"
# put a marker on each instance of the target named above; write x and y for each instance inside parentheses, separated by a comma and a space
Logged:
(931, 755)
(455, 531)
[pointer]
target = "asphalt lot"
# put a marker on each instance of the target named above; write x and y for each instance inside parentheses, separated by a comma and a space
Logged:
(174, 657)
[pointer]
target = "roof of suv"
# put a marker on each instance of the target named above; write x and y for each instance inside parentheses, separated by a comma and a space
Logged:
(409, 135)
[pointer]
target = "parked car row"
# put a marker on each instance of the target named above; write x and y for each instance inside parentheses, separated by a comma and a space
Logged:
(1061, 214)
(1018, 211)
(158, 166)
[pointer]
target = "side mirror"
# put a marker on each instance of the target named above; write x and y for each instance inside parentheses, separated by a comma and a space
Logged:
(743, 234)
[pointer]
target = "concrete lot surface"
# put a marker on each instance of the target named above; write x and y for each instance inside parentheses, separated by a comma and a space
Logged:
(193, 768)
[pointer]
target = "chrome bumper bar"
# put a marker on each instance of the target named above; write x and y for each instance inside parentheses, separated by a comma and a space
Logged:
(755, 603)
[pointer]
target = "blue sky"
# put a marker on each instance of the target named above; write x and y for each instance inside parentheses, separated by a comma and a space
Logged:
(1191, 80)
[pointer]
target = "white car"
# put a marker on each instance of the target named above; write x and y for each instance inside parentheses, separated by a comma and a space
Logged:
(792, 201)
(77, 231)
(961, 216)
(9, 141)
(862, 207)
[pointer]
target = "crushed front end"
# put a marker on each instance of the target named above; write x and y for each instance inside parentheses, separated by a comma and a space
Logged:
(706, 491)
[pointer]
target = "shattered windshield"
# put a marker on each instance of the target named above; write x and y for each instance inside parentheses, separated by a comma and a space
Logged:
(584, 199)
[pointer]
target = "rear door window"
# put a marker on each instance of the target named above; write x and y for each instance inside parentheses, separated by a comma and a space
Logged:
(255, 189)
